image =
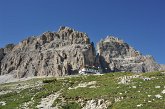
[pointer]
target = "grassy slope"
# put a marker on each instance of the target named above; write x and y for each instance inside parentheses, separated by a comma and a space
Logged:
(107, 87)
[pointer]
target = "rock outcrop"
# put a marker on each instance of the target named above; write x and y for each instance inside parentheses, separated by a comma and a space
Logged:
(116, 55)
(1, 53)
(53, 53)
(162, 68)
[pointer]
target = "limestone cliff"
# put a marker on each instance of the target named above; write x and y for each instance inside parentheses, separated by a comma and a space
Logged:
(53, 53)
(116, 55)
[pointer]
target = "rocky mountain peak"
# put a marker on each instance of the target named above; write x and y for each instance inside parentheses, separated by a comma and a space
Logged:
(113, 39)
(52, 53)
(66, 29)
(116, 55)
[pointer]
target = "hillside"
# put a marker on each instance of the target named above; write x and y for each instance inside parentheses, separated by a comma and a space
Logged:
(106, 91)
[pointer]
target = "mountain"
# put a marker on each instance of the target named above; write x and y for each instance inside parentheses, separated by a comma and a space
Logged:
(66, 51)
(52, 53)
(118, 56)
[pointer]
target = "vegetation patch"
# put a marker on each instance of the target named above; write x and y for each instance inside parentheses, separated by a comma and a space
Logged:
(139, 93)
(71, 105)
(49, 80)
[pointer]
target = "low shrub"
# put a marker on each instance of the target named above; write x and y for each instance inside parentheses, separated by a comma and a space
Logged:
(49, 80)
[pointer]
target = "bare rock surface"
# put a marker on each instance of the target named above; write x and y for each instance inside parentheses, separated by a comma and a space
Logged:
(46, 103)
(162, 67)
(3, 103)
(52, 53)
(66, 51)
(7, 78)
(96, 104)
(116, 55)
(84, 85)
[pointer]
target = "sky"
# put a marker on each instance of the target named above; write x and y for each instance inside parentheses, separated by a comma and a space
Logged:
(140, 23)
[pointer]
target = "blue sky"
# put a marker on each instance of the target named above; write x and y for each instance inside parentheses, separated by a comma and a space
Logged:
(141, 23)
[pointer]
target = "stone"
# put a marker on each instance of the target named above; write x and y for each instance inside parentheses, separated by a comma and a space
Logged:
(134, 87)
(2, 103)
(96, 104)
(157, 87)
(83, 85)
(163, 92)
(139, 105)
(158, 96)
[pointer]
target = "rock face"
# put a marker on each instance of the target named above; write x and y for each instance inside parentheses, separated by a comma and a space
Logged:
(1, 53)
(52, 53)
(66, 51)
(116, 55)
(162, 68)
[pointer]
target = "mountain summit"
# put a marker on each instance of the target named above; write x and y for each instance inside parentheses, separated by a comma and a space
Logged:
(118, 56)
